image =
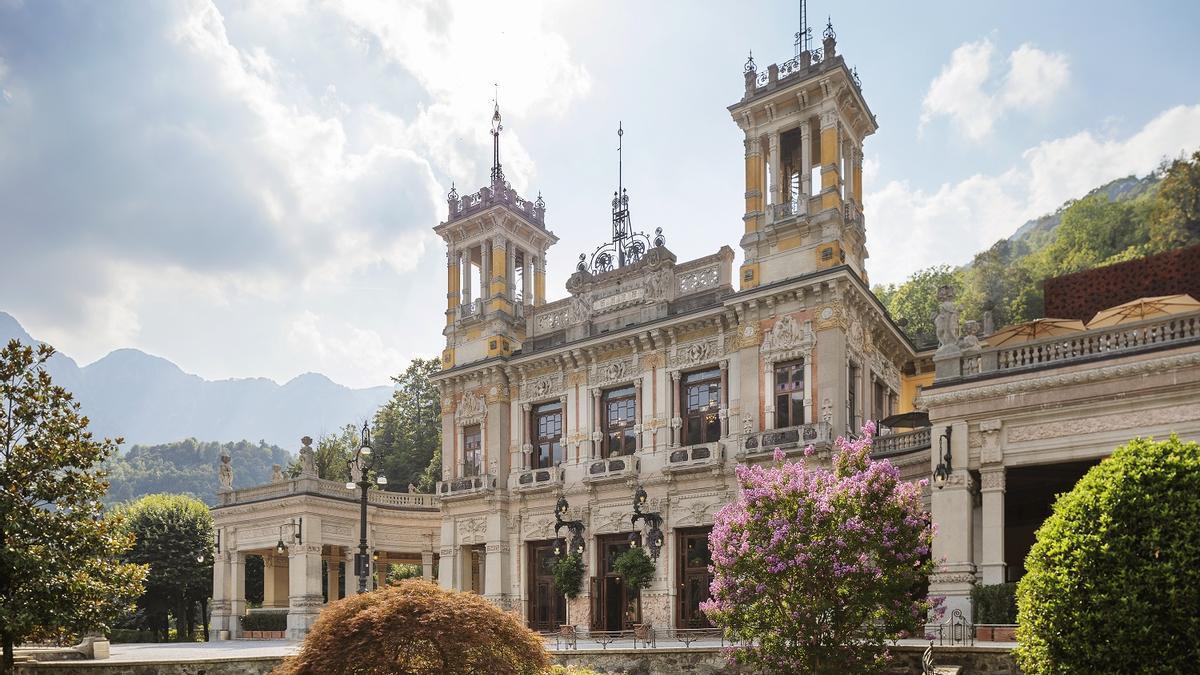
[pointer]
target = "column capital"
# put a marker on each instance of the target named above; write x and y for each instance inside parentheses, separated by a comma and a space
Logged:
(992, 479)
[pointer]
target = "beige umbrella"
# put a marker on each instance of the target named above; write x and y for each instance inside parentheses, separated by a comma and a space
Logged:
(1144, 308)
(1034, 330)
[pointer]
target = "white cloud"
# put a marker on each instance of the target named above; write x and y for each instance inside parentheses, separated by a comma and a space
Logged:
(966, 93)
(912, 228)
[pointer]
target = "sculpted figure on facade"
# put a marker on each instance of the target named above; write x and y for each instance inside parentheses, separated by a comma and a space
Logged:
(657, 285)
(225, 473)
(276, 473)
(945, 322)
(308, 462)
(579, 310)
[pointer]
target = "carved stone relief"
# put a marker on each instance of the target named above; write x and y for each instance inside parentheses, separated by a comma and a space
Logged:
(471, 409)
(694, 353)
(1100, 423)
(699, 280)
(472, 531)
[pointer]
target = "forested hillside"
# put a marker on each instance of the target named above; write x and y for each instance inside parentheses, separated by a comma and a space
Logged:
(1125, 219)
(189, 467)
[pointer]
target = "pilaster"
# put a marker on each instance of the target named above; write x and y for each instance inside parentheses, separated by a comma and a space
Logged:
(951, 510)
(305, 599)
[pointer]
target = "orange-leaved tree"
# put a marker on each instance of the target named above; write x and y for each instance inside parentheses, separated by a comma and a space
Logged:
(418, 628)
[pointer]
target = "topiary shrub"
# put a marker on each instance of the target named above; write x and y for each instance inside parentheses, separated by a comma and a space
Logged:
(568, 575)
(417, 628)
(265, 621)
(1113, 580)
(995, 603)
(635, 567)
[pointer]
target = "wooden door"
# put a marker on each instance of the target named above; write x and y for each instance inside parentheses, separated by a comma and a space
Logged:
(693, 577)
(620, 607)
(547, 607)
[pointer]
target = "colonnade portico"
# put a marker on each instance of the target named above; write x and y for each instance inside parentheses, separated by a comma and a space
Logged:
(317, 522)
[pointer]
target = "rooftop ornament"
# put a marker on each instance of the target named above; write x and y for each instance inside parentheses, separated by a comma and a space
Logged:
(627, 247)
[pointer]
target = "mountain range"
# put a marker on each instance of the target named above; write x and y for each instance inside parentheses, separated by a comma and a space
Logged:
(147, 399)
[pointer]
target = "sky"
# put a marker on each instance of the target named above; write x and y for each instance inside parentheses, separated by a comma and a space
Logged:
(249, 188)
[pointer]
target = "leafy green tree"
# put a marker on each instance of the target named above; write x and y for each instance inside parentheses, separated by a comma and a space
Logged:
(914, 302)
(188, 467)
(59, 569)
(174, 537)
(1175, 216)
(332, 455)
(407, 430)
(398, 572)
(1113, 579)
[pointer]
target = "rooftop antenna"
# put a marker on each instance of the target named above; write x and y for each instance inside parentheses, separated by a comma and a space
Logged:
(804, 36)
(497, 127)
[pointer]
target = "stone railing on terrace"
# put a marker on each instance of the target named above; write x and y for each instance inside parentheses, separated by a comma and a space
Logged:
(308, 485)
(1062, 350)
(780, 212)
(790, 440)
(901, 443)
(498, 193)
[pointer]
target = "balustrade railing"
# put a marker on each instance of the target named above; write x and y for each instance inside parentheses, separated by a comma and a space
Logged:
(785, 210)
(1103, 341)
(326, 488)
(497, 194)
(901, 443)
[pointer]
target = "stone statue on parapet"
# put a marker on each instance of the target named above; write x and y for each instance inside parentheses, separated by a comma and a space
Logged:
(225, 473)
(412, 489)
(969, 342)
(276, 473)
(945, 321)
(308, 462)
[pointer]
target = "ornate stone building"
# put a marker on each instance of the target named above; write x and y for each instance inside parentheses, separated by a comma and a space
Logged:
(656, 373)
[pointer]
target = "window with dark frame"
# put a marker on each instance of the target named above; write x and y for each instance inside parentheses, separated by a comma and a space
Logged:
(547, 429)
(701, 397)
(620, 412)
(472, 450)
(789, 394)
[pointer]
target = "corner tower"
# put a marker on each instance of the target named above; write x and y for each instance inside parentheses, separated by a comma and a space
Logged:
(805, 121)
(496, 242)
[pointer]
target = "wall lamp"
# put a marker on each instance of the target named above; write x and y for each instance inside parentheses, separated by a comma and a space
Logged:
(942, 473)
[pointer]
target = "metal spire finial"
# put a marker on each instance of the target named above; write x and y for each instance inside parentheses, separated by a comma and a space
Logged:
(804, 36)
(497, 127)
(828, 33)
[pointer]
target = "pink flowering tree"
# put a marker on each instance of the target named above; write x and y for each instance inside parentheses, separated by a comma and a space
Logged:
(815, 570)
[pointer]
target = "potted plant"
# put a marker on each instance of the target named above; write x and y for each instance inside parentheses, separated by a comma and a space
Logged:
(635, 567)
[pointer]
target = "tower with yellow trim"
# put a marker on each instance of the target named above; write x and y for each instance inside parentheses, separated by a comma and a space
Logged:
(496, 244)
(804, 122)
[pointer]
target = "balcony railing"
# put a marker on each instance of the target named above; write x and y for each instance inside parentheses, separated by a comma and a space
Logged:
(471, 310)
(466, 486)
(901, 443)
(792, 209)
(695, 458)
(791, 438)
(613, 468)
(1159, 332)
(533, 480)
(308, 485)
(487, 197)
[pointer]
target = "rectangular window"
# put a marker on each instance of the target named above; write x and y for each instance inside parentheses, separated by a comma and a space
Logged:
(852, 401)
(472, 450)
(701, 394)
(789, 394)
(619, 409)
(547, 442)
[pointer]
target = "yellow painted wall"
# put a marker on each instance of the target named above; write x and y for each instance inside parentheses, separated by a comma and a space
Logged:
(834, 257)
(749, 276)
(453, 290)
(908, 389)
(829, 146)
(499, 271)
(539, 288)
(754, 189)
(447, 358)
(858, 184)
(499, 346)
(831, 200)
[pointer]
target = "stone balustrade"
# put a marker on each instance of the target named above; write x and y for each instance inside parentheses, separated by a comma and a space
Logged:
(901, 443)
(308, 485)
(1098, 343)
(695, 458)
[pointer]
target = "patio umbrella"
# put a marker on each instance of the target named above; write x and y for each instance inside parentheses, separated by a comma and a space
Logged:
(914, 419)
(1144, 308)
(1034, 330)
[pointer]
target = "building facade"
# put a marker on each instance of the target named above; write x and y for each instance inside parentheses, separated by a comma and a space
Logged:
(654, 373)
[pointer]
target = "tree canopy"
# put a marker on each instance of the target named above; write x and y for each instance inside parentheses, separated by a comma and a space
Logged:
(189, 467)
(1121, 221)
(815, 570)
(174, 537)
(407, 430)
(1113, 578)
(59, 569)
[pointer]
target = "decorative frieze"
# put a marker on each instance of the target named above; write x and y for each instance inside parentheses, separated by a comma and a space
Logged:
(699, 280)
(546, 386)
(471, 409)
(1081, 426)
(613, 372)
(695, 353)
(472, 530)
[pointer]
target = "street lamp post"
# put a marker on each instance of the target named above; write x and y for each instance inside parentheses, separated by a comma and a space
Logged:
(360, 469)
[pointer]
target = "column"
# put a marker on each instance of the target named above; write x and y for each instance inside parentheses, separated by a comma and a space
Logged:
(597, 426)
(637, 410)
(724, 404)
(467, 273)
(237, 592)
(268, 581)
(952, 516)
(351, 577)
(754, 183)
(676, 419)
(830, 155)
(526, 278)
(304, 588)
(858, 160)
(453, 287)
(427, 565)
(499, 283)
(221, 599)
(510, 260)
(333, 566)
(525, 443)
(539, 280)
(992, 565)
(805, 160)
(847, 169)
(809, 417)
(768, 394)
(496, 586)
(773, 178)
(485, 270)
(447, 562)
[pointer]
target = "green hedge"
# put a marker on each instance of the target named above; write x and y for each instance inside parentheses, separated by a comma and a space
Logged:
(996, 603)
(265, 621)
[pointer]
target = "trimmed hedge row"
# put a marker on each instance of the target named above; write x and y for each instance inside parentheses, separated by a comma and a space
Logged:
(265, 621)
